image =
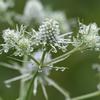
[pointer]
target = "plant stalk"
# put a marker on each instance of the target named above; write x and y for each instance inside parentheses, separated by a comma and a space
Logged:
(30, 89)
(90, 95)
(64, 56)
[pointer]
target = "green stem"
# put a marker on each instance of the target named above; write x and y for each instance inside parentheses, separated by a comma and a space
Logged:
(64, 56)
(22, 83)
(90, 95)
(34, 60)
(55, 85)
(30, 89)
(22, 90)
(42, 58)
(29, 92)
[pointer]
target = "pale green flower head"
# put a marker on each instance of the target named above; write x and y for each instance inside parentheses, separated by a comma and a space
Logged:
(10, 37)
(88, 29)
(89, 35)
(18, 40)
(24, 46)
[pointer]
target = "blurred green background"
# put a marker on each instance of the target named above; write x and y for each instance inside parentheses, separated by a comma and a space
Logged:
(80, 78)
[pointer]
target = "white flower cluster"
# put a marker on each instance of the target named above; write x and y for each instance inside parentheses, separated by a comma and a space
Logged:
(10, 38)
(49, 35)
(24, 46)
(16, 40)
(88, 35)
(24, 42)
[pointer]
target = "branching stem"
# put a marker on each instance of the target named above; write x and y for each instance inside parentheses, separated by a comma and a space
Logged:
(64, 56)
(30, 89)
(34, 60)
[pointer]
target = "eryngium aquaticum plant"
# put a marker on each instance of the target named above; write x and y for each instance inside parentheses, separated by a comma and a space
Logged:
(37, 46)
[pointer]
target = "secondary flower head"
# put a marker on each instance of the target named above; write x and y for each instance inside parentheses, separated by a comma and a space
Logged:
(10, 38)
(89, 35)
(49, 35)
(17, 40)
(24, 46)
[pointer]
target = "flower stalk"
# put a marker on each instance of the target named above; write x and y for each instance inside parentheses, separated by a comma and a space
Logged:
(65, 55)
(30, 89)
(89, 95)
(34, 60)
